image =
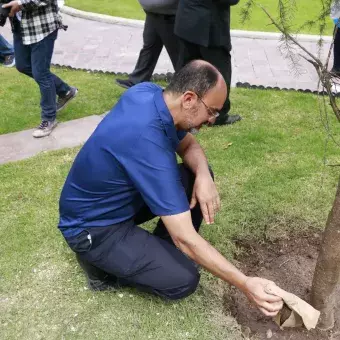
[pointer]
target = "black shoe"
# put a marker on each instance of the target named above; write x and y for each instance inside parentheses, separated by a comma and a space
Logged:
(335, 72)
(126, 83)
(63, 101)
(100, 285)
(97, 279)
(227, 120)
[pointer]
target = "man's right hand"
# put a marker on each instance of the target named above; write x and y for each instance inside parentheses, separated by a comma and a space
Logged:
(15, 7)
(187, 239)
(255, 290)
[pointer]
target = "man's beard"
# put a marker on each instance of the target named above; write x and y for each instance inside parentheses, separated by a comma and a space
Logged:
(194, 131)
(191, 128)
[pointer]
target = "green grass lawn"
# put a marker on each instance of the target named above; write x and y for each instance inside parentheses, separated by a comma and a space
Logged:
(97, 94)
(306, 10)
(272, 181)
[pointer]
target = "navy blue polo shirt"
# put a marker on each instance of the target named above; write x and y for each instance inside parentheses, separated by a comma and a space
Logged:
(129, 160)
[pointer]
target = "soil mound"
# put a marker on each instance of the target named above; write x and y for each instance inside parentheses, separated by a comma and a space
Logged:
(290, 263)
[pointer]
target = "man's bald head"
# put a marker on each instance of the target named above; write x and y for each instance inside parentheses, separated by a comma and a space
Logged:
(195, 95)
(197, 76)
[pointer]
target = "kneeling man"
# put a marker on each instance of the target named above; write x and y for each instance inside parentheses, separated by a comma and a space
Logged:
(127, 173)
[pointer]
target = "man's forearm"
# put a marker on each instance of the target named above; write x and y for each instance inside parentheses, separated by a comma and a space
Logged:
(198, 249)
(191, 243)
(208, 257)
(194, 158)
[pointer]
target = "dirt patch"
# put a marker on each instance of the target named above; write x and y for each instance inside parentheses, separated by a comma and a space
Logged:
(290, 263)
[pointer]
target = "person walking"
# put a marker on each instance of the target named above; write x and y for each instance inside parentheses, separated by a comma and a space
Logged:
(335, 14)
(35, 26)
(204, 30)
(158, 32)
(6, 53)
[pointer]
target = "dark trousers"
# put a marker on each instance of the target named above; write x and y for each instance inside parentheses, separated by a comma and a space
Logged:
(217, 56)
(136, 258)
(158, 32)
(35, 61)
(5, 48)
(336, 65)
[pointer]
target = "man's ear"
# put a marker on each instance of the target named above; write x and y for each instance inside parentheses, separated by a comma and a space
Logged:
(189, 99)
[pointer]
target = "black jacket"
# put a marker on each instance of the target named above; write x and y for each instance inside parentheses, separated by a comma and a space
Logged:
(204, 22)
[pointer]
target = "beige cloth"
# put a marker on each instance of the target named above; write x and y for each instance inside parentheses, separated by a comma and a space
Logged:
(302, 313)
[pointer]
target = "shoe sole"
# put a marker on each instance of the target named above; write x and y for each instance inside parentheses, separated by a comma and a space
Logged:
(123, 86)
(102, 289)
(219, 124)
(101, 286)
(66, 103)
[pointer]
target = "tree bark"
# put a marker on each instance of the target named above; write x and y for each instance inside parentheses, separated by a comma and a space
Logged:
(327, 271)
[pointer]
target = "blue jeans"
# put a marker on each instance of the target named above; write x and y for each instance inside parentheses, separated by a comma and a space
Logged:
(336, 64)
(35, 61)
(5, 48)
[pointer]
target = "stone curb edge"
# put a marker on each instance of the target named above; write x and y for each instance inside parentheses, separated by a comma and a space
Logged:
(247, 85)
(155, 77)
(168, 76)
(140, 24)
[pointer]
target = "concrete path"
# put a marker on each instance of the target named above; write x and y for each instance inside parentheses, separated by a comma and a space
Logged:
(115, 48)
(20, 145)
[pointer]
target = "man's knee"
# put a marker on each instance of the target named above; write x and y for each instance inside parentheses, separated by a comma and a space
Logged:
(186, 287)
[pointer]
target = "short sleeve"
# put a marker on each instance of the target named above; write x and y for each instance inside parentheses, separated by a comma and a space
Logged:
(152, 166)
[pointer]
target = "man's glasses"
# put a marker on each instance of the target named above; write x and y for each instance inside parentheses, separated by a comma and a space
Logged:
(212, 113)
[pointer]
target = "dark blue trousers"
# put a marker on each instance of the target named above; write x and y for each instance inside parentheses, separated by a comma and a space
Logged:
(336, 64)
(136, 258)
(5, 48)
(35, 61)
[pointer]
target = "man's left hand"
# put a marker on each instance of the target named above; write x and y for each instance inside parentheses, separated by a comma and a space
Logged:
(15, 8)
(205, 193)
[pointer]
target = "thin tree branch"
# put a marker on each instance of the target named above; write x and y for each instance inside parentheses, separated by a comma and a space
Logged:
(330, 48)
(324, 78)
(288, 36)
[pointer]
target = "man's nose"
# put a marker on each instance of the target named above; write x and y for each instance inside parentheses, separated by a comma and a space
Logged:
(211, 120)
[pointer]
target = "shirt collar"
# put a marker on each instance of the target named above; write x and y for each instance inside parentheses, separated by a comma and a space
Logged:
(166, 118)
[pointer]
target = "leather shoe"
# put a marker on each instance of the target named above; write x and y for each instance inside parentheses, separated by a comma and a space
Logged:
(125, 83)
(227, 120)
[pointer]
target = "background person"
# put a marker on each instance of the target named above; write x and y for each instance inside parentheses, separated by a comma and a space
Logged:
(6, 53)
(335, 15)
(35, 29)
(204, 31)
(158, 32)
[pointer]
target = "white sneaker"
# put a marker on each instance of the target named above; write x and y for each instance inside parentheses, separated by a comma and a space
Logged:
(335, 88)
(44, 129)
(9, 61)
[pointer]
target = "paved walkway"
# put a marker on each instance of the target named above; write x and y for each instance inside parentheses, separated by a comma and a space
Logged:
(21, 145)
(114, 48)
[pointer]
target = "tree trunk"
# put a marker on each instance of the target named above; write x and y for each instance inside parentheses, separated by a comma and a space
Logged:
(327, 271)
